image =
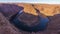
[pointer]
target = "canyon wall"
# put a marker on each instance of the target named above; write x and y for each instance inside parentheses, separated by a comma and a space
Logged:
(46, 9)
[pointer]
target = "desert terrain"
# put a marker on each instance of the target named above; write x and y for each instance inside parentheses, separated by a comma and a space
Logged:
(48, 10)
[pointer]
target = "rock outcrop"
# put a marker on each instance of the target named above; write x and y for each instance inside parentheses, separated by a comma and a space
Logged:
(48, 10)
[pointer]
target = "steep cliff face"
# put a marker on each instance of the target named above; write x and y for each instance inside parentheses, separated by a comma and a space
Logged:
(46, 9)
(9, 9)
(6, 27)
(28, 8)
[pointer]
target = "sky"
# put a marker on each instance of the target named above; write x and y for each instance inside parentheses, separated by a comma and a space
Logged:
(31, 1)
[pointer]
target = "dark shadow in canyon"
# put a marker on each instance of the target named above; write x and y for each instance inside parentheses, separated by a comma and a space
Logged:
(33, 27)
(11, 11)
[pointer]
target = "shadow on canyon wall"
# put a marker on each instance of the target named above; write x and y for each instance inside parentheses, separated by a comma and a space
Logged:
(8, 28)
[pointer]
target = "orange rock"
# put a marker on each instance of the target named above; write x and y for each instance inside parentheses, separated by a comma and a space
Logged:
(46, 9)
(28, 8)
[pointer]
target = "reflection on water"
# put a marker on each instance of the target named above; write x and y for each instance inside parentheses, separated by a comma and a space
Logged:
(41, 24)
